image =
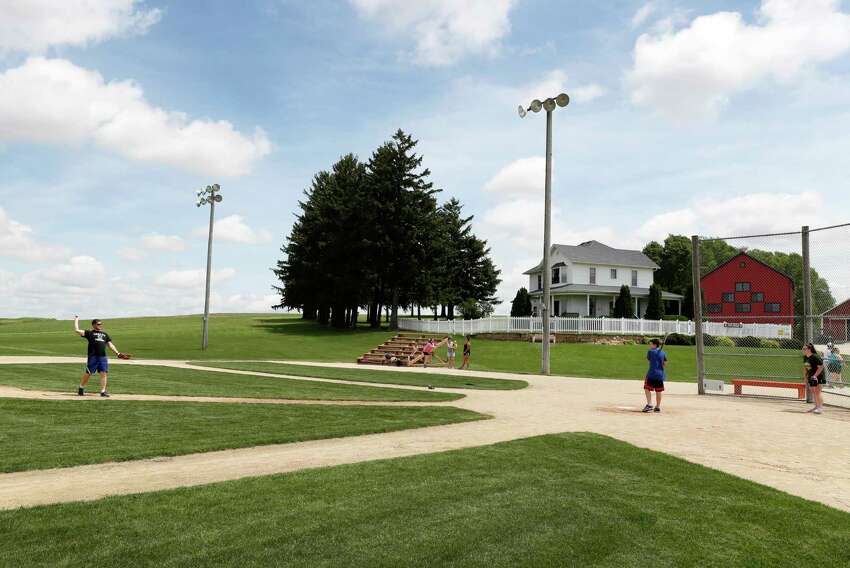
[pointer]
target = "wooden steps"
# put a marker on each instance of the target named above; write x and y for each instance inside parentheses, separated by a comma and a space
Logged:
(405, 347)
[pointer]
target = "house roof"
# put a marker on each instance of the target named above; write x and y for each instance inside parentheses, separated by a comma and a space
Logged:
(739, 255)
(606, 290)
(594, 252)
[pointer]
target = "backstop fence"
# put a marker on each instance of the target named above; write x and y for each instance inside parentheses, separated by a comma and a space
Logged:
(798, 281)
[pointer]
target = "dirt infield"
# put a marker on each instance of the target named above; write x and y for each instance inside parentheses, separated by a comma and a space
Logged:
(773, 442)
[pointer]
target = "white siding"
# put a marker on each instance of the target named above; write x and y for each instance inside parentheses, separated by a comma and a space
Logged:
(581, 275)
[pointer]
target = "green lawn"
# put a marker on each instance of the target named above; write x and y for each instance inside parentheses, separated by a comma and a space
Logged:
(132, 379)
(371, 376)
(286, 337)
(559, 500)
(38, 434)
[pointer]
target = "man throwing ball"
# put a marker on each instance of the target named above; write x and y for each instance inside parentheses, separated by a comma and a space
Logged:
(97, 361)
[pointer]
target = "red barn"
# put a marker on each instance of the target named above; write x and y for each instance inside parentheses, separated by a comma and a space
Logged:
(746, 290)
(836, 322)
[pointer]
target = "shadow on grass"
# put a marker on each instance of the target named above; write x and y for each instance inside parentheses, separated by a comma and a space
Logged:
(312, 328)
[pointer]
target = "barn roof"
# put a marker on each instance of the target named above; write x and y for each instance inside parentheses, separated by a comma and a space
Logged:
(739, 255)
(845, 303)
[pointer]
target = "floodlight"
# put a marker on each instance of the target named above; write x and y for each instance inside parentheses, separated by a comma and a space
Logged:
(199, 193)
(198, 204)
(535, 106)
(549, 105)
(563, 100)
(218, 199)
(522, 112)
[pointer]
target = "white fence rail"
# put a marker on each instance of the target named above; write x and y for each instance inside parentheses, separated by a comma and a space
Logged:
(601, 326)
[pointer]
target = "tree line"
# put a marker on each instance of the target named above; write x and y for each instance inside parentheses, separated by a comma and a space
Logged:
(372, 235)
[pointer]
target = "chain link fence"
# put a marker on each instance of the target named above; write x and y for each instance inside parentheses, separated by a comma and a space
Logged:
(798, 281)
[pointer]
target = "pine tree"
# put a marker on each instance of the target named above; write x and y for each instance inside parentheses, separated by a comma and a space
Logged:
(655, 306)
(521, 305)
(623, 306)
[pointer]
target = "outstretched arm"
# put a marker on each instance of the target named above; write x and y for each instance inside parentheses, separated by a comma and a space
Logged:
(114, 349)
(77, 329)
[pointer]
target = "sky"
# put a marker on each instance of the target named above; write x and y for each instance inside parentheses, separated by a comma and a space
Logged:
(714, 118)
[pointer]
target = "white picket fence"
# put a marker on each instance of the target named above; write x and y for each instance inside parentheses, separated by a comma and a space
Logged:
(600, 326)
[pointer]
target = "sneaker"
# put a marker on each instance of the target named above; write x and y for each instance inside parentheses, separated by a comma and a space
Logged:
(81, 391)
(647, 408)
(657, 409)
(817, 410)
(812, 409)
(104, 394)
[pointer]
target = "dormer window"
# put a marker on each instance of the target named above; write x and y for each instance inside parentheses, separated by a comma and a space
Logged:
(539, 281)
(556, 275)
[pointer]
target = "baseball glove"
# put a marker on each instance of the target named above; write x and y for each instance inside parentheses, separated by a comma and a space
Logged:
(124, 356)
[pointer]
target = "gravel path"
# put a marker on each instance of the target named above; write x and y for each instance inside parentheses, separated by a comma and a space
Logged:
(773, 442)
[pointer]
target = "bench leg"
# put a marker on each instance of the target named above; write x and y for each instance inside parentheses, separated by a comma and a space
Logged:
(737, 389)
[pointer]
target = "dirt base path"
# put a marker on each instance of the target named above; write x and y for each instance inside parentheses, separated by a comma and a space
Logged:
(771, 442)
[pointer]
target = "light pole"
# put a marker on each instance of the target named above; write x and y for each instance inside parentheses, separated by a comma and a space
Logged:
(549, 105)
(211, 195)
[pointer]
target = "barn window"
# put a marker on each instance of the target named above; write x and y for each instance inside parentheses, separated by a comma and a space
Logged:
(743, 308)
(772, 308)
(729, 297)
(742, 286)
(758, 297)
(742, 264)
(714, 308)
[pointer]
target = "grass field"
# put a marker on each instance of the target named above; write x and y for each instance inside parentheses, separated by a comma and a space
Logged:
(148, 379)
(569, 499)
(286, 337)
(38, 434)
(366, 374)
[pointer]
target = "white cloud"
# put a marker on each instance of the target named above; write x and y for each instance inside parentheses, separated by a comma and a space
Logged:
(554, 83)
(16, 241)
(78, 272)
(234, 229)
(444, 30)
(55, 101)
(642, 14)
(525, 176)
(691, 73)
(155, 241)
(34, 25)
(131, 253)
(755, 213)
(191, 278)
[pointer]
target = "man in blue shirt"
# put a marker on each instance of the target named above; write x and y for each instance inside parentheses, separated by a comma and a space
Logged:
(655, 376)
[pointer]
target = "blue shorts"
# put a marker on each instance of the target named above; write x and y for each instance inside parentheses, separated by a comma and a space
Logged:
(97, 365)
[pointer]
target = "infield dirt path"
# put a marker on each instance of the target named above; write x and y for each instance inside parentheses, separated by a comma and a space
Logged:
(768, 441)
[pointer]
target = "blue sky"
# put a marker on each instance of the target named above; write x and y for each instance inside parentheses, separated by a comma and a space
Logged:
(687, 117)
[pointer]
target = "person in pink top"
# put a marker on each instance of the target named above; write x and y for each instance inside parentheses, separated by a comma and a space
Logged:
(428, 351)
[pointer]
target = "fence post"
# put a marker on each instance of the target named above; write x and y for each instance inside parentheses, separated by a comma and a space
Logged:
(808, 328)
(695, 274)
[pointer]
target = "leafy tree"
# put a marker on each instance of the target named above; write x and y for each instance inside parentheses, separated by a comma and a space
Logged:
(655, 306)
(521, 305)
(623, 306)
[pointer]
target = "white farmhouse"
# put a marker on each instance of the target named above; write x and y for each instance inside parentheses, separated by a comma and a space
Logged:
(586, 280)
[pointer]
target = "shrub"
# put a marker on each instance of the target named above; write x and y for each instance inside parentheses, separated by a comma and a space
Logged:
(769, 344)
(709, 340)
(679, 339)
(747, 341)
(790, 343)
(723, 341)
(675, 318)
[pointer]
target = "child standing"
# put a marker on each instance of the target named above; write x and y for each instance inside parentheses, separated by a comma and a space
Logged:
(654, 381)
(467, 352)
(451, 350)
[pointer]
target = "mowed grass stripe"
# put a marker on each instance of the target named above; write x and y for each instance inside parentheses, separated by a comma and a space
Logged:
(372, 376)
(149, 379)
(559, 500)
(37, 434)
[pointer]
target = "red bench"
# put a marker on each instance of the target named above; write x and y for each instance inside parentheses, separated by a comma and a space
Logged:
(801, 387)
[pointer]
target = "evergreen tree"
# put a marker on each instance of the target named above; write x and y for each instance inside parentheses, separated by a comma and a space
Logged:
(623, 306)
(655, 305)
(521, 305)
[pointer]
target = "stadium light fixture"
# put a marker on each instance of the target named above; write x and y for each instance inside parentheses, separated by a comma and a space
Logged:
(548, 105)
(208, 196)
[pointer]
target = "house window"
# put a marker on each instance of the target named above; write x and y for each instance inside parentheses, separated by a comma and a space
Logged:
(742, 286)
(743, 308)
(613, 274)
(758, 297)
(539, 281)
(729, 297)
(592, 275)
(634, 277)
(772, 308)
(714, 308)
(556, 275)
